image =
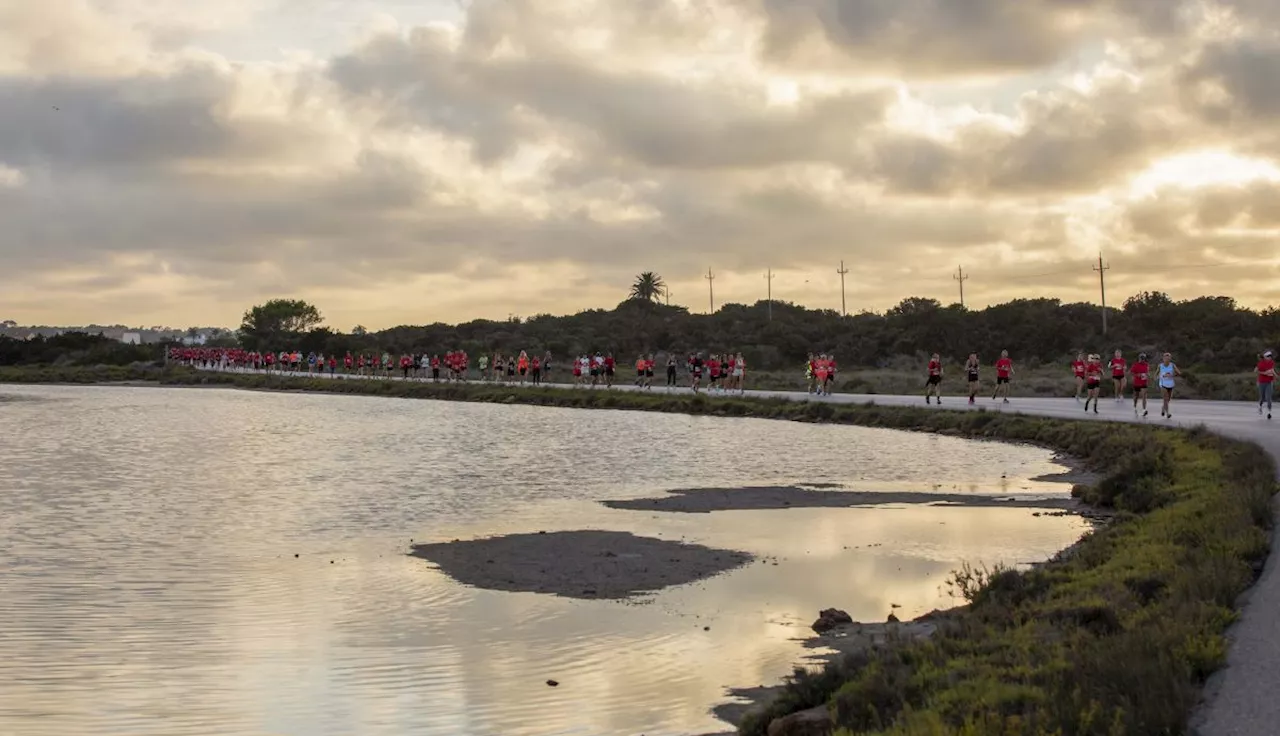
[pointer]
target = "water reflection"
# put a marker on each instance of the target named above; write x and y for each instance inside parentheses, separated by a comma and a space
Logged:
(149, 583)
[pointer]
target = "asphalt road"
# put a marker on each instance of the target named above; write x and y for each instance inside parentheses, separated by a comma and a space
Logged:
(1243, 699)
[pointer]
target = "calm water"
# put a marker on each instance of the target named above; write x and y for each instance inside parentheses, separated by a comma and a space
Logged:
(148, 583)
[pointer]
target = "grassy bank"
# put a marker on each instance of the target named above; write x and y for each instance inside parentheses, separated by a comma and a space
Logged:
(85, 374)
(1116, 638)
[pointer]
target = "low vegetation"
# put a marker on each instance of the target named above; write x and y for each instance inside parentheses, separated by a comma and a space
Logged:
(1115, 636)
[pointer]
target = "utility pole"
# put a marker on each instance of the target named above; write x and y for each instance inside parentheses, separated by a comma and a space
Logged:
(961, 278)
(711, 290)
(1102, 284)
(844, 312)
(666, 292)
(769, 276)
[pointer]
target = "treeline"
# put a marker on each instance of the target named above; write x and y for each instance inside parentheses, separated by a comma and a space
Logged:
(1209, 333)
(74, 349)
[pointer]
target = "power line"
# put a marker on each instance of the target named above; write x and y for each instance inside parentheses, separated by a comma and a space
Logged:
(961, 278)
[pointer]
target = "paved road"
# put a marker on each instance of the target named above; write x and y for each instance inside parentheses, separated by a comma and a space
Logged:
(1244, 698)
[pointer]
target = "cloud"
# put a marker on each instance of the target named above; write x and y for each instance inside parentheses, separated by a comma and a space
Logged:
(940, 38)
(155, 171)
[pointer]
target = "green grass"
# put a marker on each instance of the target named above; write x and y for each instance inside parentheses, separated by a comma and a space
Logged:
(1116, 637)
(84, 375)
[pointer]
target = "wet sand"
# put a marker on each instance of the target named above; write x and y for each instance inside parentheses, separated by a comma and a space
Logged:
(585, 564)
(706, 500)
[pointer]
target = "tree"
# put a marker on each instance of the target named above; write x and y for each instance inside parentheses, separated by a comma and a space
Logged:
(359, 330)
(279, 320)
(648, 287)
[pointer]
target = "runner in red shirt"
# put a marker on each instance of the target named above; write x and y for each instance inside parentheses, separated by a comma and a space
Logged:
(1077, 369)
(1093, 381)
(933, 384)
(609, 365)
(1117, 366)
(347, 362)
(1266, 381)
(435, 368)
(1004, 372)
(1141, 371)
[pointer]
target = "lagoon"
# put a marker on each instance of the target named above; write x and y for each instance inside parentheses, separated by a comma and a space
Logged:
(149, 583)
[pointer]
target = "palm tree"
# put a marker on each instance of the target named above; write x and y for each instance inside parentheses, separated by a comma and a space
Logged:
(648, 287)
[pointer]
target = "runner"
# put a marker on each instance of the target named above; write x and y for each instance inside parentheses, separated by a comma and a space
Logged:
(671, 370)
(1077, 369)
(640, 363)
(522, 365)
(695, 372)
(536, 370)
(406, 364)
(933, 384)
(1117, 366)
(740, 374)
(820, 373)
(483, 364)
(1168, 371)
(610, 367)
(811, 374)
(1004, 372)
(546, 365)
(971, 367)
(435, 368)
(713, 372)
(1141, 371)
(831, 374)
(1266, 370)
(1093, 381)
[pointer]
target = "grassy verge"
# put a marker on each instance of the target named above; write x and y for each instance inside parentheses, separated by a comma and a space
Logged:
(85, 374)
(1115, 638)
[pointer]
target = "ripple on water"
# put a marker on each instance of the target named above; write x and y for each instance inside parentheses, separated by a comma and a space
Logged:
(150, 584)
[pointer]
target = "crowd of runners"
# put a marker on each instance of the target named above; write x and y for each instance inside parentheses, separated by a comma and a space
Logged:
(722, 372)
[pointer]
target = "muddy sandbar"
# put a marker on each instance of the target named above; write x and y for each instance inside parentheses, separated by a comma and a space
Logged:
(578, 564)
(706, 500)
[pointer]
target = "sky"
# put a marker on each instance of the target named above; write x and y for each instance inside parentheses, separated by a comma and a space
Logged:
(412, 161)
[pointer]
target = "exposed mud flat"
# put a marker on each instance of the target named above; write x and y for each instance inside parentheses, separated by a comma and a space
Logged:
(586, 564)
(706, 500)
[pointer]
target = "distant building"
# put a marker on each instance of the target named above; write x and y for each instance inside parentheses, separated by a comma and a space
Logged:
(131, 338)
